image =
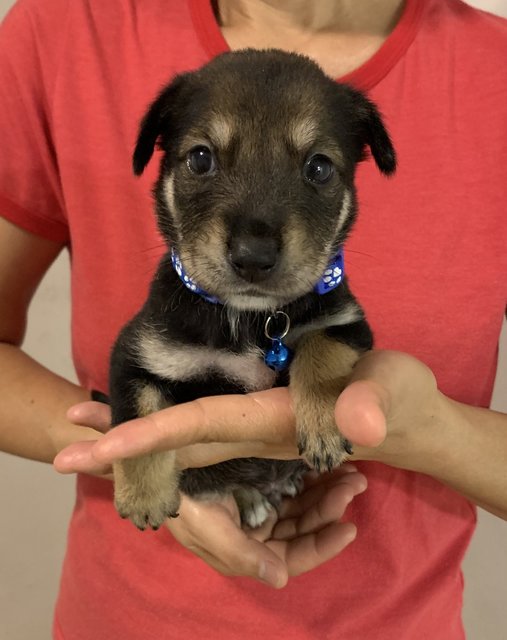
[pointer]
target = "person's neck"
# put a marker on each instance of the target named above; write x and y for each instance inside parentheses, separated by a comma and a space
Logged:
(339, 34)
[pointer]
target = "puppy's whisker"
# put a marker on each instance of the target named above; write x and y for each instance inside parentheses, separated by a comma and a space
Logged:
(360, 253)
(159, 247)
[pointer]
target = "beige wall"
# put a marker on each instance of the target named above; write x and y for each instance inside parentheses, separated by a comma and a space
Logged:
(35, 502)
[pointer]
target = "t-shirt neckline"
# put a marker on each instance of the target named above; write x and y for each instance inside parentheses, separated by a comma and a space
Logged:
(364, 77)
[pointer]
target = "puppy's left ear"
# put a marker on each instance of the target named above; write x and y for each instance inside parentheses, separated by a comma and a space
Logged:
(374, 134)
(159, 118)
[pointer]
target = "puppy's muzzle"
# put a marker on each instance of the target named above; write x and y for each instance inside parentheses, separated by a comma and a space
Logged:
(253, 258)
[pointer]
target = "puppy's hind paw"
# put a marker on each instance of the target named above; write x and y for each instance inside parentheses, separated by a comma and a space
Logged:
(146, 489)
(254, 508)
(147, 511)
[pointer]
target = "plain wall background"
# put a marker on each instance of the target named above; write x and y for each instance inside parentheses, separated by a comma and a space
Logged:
(36, 502)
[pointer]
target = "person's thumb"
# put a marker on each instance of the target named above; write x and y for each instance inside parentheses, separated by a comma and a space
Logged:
(362, 409)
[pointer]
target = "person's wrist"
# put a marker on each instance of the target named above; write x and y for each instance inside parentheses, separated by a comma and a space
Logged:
(428, 445)
(416, 443)
(63, 432)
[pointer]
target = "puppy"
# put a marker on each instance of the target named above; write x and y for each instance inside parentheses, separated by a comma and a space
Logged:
(255, 198)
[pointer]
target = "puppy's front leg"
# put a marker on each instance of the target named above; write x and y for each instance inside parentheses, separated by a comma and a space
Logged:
(146, 488)
(318, 374)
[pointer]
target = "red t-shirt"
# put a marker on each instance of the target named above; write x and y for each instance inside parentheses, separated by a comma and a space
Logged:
(427, 260)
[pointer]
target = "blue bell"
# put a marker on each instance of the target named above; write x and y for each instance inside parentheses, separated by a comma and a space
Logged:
(278, 357)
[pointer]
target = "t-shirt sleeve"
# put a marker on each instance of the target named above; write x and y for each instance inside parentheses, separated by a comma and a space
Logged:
(30, 191)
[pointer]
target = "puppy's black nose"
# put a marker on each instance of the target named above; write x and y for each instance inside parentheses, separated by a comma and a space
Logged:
(252, 257)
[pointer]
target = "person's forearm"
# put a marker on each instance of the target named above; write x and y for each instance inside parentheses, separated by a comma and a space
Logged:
(34, 402)
(471, 455)
(464, 447)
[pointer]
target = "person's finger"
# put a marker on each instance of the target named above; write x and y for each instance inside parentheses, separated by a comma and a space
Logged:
(360, 415)
(314, 477)
(293, 507)
(77, 458)
(224, 545)
(265, 531)
(263, 416)
(363, 407)
(204, 455)
(249, 558)
(307, 552)
(317, 507)
(92, 414)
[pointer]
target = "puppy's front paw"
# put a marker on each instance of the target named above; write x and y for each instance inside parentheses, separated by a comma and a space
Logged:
(146, 490)
(323, 451)
(319, 441)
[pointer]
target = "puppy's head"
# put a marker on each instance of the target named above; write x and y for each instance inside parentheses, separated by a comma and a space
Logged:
(256, 185)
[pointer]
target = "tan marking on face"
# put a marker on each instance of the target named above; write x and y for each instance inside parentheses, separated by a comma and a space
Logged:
(344, 211)
(303, 133)
(171, 203)
(217, 132)
(221, 131)
(204, 256)
(299, 250)
(169, 192)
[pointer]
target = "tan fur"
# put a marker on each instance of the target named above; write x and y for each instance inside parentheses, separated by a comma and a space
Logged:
(303, 133)
(169, 192)
(300, 250)
(174, 361)
(146, 488)
(221, 130)
(171, 203)
(344, 212)
(318, 374)
(206, 249)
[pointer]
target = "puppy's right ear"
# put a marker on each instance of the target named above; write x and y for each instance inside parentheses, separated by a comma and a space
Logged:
(374, 134)
(156, 119)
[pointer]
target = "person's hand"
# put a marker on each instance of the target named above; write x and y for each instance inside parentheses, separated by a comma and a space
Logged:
(209, 432)
(95, 417)
(306, 533)
(391, 410)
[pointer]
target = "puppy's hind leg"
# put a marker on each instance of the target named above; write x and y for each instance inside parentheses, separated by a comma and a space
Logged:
(146, 487)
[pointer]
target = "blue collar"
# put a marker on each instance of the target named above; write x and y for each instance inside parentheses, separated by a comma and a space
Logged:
(331, 278)
(187, 280)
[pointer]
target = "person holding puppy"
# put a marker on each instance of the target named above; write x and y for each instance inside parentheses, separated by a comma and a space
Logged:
(427, 261)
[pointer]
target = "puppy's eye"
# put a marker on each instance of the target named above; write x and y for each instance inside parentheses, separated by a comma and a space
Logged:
(200, 160)
(318, 169)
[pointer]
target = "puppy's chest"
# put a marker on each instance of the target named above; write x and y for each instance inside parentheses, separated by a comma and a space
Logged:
(177, 362)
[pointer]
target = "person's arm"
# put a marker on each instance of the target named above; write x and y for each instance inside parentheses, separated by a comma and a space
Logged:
(33, 422)
(464, 447)
(392, 412)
